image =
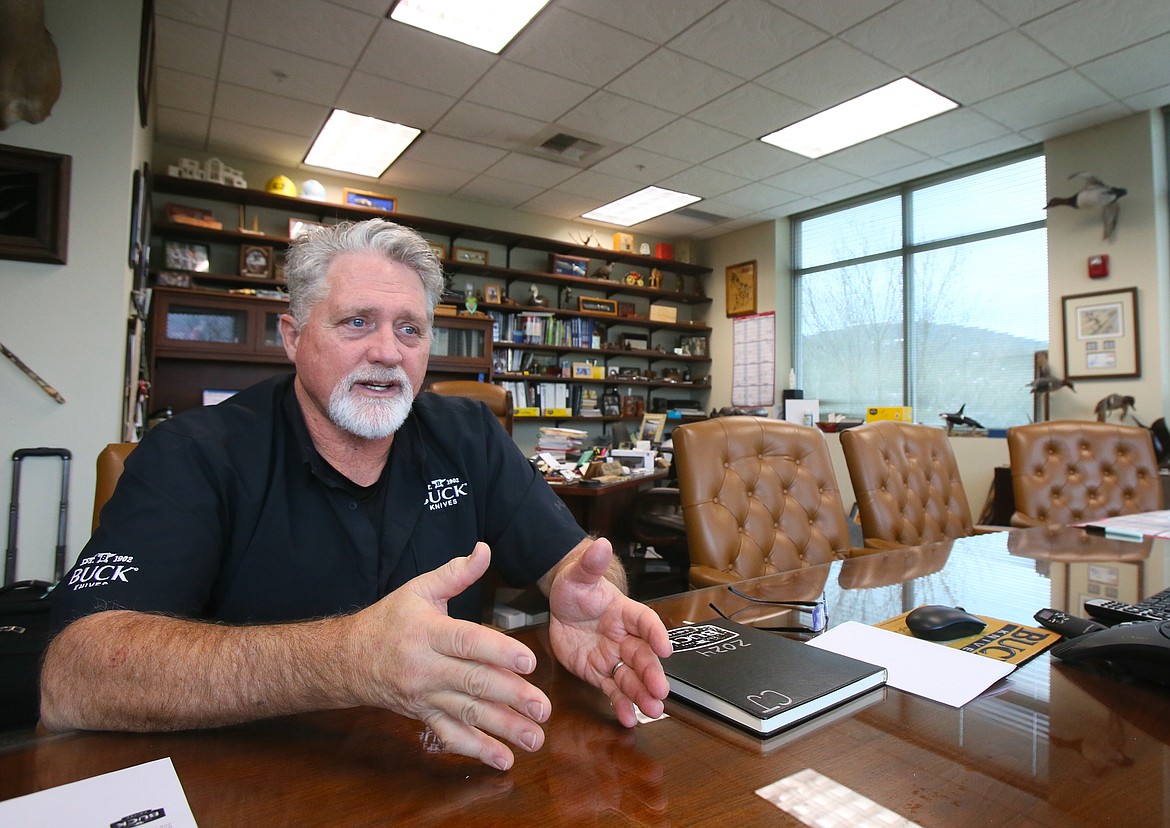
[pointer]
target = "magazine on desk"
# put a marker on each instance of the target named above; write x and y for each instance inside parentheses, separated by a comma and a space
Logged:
(1004, 641)
(758, 680)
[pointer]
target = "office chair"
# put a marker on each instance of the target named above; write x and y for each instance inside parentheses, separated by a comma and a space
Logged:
(1066, 472)
(758, 496)
(907, 484)
(496, 397)
(110, 462)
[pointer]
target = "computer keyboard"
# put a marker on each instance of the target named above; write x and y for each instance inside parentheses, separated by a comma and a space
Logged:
(1154, 608)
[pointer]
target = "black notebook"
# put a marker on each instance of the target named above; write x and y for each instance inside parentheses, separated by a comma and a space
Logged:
(758, 680)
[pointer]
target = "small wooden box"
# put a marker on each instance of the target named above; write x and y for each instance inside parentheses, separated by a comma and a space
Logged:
(663, 313)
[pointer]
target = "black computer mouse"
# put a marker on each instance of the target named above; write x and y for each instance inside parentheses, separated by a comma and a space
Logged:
(935, 622)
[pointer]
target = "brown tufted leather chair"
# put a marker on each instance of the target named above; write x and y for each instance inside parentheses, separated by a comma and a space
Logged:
(1071, 471)
(110, 462)
(758, 496)
(907, 485)
(497, 398)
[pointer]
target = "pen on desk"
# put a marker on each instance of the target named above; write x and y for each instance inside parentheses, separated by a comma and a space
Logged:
(1115, 533)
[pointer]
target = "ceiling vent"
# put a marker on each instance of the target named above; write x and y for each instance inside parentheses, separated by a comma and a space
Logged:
(569, 148)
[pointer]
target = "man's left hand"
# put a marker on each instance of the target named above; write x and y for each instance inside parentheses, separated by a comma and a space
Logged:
(594, 626)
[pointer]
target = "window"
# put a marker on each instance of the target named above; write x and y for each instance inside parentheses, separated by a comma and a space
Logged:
(933, 296)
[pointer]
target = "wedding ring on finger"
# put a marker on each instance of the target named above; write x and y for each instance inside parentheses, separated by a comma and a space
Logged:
(616, 667)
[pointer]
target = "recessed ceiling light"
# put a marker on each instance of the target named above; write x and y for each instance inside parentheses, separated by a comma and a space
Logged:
(875, 113)
(640, 206)
(359, 144)
(484, 25)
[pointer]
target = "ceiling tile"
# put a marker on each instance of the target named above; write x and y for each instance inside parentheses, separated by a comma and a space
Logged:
(756, 161)
(559, 204)
(757, 197)
(390, 101)
(948, 131)
(576, 47)
(655, 20)
(444, 151)
(183, 128)
(499, 191)
(827, 75)
(545, 96)
(1005, 62)
(418, 175)
(988, 149)
(409, 55)
(282, 73)
(249, 106)
(1021, 11)
(598, 185)
(928, 166)
(811, 179)
(1077, 121)
(834, 16)
(187, 48)
(704, 182)
(616, 117)
(674, 82)
(747, 38)
(250, 141)
(484, 125)
(752, 111)
(1132, 71)
(1093, 28)
(872, 157)
(1043, 101)
(211, 14)
(189, 93)
(690, 141)
(640, 165)
(1149, 100)
(314, 28)
(527, 170)
(895, 36)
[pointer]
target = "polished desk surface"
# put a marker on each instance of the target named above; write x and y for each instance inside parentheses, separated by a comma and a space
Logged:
(1052, 744)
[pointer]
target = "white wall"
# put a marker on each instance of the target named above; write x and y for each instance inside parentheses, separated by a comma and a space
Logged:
(67, 322)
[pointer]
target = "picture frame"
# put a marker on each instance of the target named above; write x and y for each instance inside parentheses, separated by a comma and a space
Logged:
(256, 261)
(299, 227)
(34, 205)
(440, 250)
(189, 256)
(492, 294)
(469, 255)
(652, 428)
(741, 289)
(603, 307)
(568, 265)
(145, 62)
(1101, 335)
(368, 200)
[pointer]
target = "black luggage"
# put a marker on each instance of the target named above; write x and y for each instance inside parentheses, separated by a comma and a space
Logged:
(24, 607)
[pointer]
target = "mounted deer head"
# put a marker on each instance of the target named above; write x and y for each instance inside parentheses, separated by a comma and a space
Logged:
(30, 73)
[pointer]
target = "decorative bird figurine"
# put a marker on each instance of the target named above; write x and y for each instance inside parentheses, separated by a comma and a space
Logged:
(957, 418)
(1045, 382)
(1114, 402)
(1094, 194)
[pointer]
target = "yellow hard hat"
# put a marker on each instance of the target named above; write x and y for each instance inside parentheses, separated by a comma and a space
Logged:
(281, 185)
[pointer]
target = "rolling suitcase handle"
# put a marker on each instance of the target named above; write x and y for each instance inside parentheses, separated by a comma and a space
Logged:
(10, 556)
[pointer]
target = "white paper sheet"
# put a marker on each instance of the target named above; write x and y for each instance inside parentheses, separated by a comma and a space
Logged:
(923, 668)
(148, 795)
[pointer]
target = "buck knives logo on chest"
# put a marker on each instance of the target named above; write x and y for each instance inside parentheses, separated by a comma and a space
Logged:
(101, 569)
(445, 491)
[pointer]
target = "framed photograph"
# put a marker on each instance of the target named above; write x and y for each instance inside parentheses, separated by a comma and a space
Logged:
(1101, 335)
(187, 256)
(568, 265)
(469, 255)
(372, 201)
(492, 294)
(605, 307)
(741, 289)
(34, 205)
(652, 427)
(440, 249)
(256, 260)
(299, 227)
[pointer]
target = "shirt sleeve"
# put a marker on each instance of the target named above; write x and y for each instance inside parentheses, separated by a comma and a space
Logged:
(160, 542)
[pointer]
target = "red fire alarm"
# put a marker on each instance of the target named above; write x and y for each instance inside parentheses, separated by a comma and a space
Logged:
(1098, 267)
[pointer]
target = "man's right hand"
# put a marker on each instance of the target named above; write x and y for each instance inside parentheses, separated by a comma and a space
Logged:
(462, 679)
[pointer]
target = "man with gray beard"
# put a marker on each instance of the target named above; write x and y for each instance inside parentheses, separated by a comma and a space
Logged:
(317, 541)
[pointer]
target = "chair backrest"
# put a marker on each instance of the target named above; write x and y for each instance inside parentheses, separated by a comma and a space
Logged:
(1070, 471)
(758, 496)
(906, 482)
(497, 398)
(110, 462)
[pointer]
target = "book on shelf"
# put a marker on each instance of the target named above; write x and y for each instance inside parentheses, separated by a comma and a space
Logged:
(761, 681)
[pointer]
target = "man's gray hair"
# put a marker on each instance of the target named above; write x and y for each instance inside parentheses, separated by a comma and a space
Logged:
(310, 257)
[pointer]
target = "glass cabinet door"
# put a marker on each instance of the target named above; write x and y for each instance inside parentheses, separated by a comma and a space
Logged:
(201, 323)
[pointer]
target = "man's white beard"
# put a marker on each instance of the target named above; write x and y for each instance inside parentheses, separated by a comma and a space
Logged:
(369, 417)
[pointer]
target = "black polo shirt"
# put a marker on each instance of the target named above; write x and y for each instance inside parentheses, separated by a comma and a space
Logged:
(229, 513)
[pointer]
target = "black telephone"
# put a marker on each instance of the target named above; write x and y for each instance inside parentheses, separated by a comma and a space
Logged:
(1141, 649)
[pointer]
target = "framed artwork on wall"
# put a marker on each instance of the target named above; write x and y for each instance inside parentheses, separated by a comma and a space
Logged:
(741, 289)
(1101, 335)
(34, 205)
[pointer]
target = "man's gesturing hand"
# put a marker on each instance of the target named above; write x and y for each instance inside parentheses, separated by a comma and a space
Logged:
(461, 679)
(593, 625)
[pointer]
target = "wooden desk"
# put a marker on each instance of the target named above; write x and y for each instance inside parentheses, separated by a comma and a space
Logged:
(598, 509)
(1052, 745)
